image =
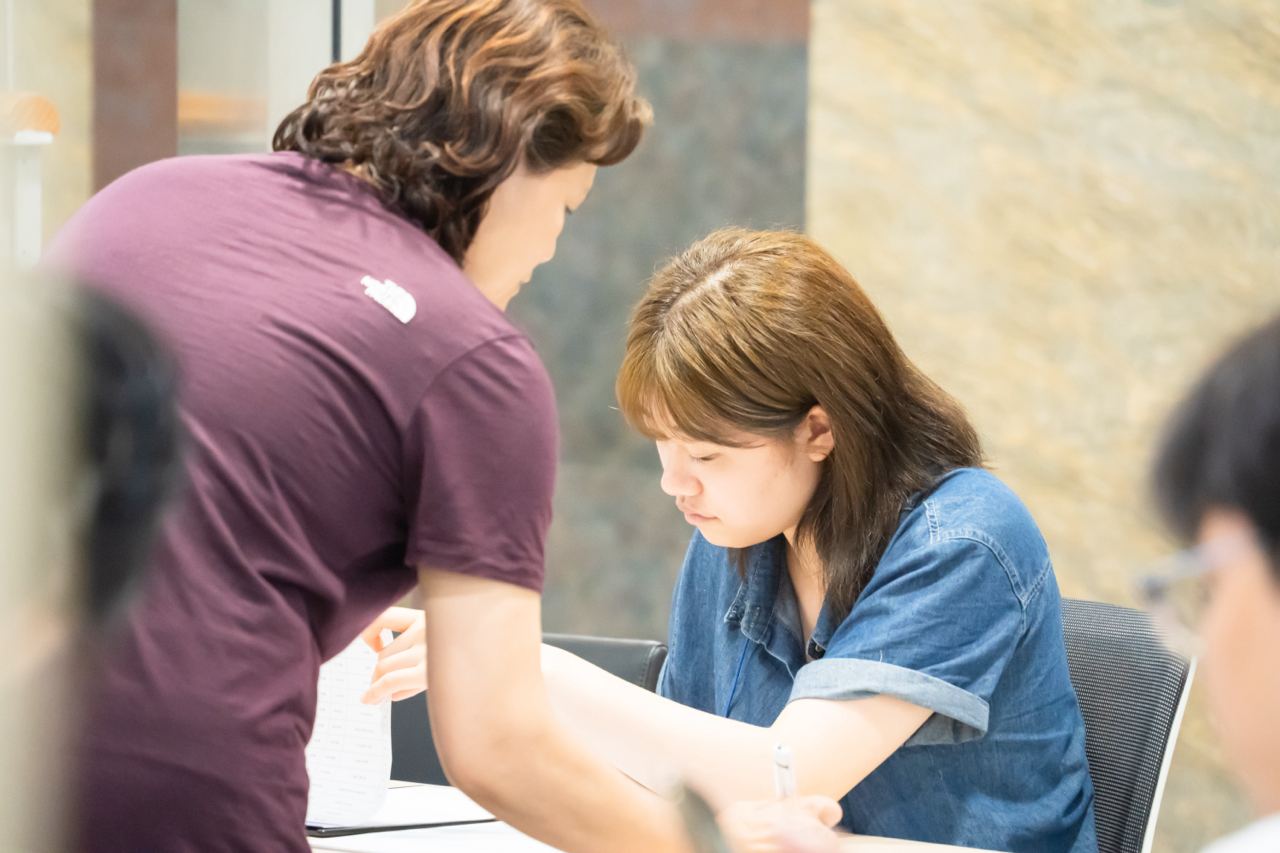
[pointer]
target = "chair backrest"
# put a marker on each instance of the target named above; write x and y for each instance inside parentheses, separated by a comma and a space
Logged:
(1132, 693)
(413, 753)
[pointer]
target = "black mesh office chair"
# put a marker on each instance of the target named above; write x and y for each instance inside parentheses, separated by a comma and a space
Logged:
(413, 754)
(1132, 692)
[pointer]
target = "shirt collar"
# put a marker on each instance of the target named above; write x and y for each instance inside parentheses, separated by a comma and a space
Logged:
(752, 607)
(758, 603)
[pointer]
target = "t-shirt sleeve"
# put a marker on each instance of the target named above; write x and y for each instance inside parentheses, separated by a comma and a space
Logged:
(937, 630)
(480, 462)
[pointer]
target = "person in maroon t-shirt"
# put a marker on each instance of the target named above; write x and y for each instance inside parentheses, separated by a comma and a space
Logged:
(359, 417)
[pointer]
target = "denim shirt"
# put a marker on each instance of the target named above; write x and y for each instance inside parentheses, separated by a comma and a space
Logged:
(962, 616)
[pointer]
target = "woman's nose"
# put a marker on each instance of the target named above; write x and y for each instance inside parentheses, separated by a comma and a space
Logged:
(677, 482)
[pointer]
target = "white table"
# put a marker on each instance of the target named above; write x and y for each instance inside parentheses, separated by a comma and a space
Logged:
(502, 838)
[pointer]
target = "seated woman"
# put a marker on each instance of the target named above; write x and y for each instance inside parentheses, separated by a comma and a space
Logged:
(858, 588)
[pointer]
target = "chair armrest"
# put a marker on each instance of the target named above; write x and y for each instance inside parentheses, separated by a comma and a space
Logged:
(413, 753)
(638, 661)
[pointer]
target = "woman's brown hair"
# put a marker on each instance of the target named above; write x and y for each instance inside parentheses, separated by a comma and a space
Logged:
(449, 97)
(746, 332)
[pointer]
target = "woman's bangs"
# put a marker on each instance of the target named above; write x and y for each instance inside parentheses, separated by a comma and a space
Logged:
(661, 401)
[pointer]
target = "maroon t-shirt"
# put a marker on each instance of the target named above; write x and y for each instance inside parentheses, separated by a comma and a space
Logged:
(354, 407)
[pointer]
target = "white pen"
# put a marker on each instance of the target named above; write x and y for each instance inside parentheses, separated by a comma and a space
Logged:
(784, 772)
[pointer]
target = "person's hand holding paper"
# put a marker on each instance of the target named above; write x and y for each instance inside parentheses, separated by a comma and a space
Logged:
(401, 670)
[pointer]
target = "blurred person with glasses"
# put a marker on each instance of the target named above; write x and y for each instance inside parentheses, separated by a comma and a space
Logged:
(1217, 483)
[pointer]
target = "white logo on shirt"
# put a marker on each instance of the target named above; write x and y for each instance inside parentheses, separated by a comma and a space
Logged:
(391, 296)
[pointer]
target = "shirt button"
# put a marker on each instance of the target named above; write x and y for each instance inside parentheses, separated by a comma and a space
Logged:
(815, 651)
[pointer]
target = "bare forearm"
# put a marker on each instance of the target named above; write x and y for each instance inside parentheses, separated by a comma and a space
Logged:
(654, 740)
(537, 776)
(498, 737)
(835, 743)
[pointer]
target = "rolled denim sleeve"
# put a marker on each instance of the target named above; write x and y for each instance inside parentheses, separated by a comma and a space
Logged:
(936, 628)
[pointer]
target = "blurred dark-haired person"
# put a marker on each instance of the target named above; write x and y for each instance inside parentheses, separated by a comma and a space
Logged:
(361, 417)
(1217, 481)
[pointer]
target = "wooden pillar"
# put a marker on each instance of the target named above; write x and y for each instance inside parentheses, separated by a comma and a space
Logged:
(135, 85)
(776, 21)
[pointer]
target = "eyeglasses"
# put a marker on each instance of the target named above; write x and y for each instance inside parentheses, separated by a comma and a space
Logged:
(1178, 589)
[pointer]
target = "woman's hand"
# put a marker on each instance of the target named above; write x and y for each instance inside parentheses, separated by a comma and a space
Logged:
(401, 671)
(793, 825)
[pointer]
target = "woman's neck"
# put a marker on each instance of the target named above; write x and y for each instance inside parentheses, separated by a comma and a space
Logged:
(804, 567)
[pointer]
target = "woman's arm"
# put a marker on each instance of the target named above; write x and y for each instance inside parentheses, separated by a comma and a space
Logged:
(499, 738)
(799, 823)
(835, 744)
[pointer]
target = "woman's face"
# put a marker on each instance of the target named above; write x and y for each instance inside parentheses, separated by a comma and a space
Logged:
(520, 227)
(741, 496)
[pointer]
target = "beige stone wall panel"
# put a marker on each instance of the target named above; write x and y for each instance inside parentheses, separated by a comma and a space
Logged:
(1064, 210)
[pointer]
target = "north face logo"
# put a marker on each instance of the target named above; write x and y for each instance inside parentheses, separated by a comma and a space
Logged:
(391, 296)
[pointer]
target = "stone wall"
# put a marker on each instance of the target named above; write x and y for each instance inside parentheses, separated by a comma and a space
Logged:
(727, 147)
(1064, 210)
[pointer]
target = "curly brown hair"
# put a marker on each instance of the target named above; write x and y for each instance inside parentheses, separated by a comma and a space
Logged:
(449, 97)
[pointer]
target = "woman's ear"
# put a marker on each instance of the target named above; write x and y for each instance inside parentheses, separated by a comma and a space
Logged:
(815, 434)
